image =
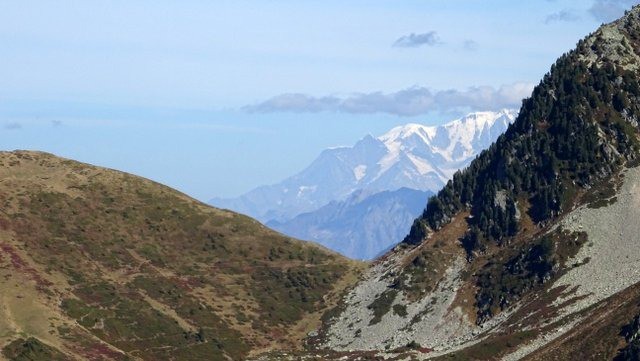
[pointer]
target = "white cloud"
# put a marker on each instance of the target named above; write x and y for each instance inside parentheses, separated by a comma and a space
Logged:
(562, 16)
(413, 40)
(609, 10)
(407, 102)
(470, 45)
(13, 126)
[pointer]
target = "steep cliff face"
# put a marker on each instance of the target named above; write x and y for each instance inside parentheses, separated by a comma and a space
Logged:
(523, 250)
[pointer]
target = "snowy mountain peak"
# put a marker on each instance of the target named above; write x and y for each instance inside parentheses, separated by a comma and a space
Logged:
(463, 128)
(469, 123)
(434, 149)
(479, 121)
(413, 155)
(407, 131)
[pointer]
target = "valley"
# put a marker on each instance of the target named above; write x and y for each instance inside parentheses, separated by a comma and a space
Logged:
(527, 249)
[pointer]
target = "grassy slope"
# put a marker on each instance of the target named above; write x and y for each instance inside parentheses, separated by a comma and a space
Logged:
(599, 336)
(96, 264)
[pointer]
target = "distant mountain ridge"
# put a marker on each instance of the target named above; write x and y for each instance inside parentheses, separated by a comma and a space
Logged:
(413, 156)
(362, 226)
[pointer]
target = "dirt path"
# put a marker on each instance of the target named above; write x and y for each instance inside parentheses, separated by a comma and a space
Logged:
(10, 325)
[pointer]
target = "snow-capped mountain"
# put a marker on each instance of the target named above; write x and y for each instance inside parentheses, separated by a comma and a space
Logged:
(413, 156)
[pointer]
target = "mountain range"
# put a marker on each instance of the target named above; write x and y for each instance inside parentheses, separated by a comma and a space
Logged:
(361, 227)
(326, 201)
(532, 251)
(413, 156)
(529, 253)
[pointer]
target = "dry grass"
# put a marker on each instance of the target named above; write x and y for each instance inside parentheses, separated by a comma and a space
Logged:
(144, 270)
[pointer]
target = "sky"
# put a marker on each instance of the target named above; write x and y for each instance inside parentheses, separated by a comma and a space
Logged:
(217, 97)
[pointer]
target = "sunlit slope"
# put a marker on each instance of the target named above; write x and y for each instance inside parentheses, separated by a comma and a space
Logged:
(99, 264)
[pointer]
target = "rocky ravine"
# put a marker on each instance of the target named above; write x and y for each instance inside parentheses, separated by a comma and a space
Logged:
(431, 321)
(606, 265)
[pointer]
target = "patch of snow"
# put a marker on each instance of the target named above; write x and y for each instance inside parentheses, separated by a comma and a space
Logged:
(302, 190)
(422, 165)
(359, 172)
(389, 159)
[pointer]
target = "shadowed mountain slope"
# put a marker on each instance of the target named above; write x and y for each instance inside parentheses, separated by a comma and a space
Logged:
(361, 227)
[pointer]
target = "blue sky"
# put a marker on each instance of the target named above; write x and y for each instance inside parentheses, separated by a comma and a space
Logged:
(217, 97)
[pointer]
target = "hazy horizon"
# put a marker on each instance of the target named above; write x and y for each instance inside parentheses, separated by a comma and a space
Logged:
(217, 98)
